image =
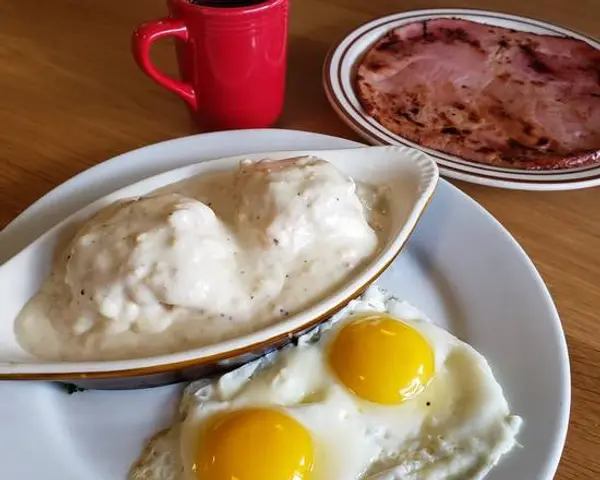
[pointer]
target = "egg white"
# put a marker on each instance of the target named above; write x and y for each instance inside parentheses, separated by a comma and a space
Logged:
(459, 425)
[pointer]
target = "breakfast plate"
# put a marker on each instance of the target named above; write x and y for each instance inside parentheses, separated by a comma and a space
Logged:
(338, 79)
(460, 267)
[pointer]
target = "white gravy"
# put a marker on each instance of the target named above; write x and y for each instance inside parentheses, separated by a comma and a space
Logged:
(202, 261)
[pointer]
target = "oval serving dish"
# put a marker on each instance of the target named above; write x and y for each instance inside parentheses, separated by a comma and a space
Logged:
(411, 174)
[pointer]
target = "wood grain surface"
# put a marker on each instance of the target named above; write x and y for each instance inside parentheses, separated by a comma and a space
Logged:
(71, 96)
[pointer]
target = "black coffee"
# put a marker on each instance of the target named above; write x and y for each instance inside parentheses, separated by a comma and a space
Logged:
(226, 3)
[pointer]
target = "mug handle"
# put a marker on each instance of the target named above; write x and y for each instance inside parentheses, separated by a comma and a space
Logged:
(141, 42)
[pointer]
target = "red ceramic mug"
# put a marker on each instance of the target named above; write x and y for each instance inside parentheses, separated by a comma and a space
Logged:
(232, 59)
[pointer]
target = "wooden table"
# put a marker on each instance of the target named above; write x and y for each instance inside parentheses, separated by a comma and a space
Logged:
(71, 97)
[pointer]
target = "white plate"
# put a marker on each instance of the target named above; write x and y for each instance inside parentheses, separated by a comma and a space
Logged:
(461, 267)
(338, 83)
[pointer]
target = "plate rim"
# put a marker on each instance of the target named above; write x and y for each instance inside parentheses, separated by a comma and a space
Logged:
(566, 400)
(334, 73)
(554, 455)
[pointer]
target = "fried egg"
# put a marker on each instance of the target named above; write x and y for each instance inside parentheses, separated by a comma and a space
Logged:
(376, 392)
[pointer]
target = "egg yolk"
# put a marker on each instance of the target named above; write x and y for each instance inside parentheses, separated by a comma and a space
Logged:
(382, 359)
(254, 444)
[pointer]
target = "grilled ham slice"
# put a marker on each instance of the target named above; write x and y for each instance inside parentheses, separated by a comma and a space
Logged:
(487, 94)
